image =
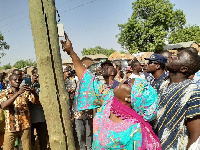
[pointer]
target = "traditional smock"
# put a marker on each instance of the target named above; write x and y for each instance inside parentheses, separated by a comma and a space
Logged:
(178, 102)
(115, 135)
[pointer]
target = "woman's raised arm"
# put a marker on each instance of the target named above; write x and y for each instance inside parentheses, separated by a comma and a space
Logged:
(67, 47)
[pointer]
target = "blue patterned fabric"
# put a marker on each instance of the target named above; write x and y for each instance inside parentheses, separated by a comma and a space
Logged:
(178, 102)
(2, 87)
(196, 78)
(106, 133)
(157, 83)
(144, 99)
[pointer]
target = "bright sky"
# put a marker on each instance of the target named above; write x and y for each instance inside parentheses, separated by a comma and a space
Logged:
(88, 23)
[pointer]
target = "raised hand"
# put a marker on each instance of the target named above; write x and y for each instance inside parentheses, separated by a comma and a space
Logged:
(24, 88)
(67, 45)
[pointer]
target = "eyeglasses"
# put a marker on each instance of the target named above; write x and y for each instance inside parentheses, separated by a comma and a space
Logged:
(152, 62)
(127, 82)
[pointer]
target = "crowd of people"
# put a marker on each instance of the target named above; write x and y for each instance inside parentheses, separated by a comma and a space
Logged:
(147, 106)
(22, 116)
(152, 105)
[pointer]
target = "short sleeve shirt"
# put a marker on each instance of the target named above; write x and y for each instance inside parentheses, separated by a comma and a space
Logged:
(17, 116)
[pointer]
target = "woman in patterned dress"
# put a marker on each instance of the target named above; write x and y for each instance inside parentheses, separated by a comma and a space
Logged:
(122, 120)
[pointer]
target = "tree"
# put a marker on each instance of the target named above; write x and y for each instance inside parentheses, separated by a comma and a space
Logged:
(25, 63)
(189, 33)
(5, 67)
(97, 50)
(149, 25)
(53, 95)
(122, 52)
(3, 45)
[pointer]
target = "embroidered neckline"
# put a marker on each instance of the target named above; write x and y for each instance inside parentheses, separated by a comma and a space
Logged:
(120, 110)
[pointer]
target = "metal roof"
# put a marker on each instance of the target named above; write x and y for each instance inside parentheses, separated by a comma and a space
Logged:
(179, 45)
(93, 57)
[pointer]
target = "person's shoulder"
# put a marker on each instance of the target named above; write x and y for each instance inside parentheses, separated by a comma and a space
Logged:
(87, 74)
(141, 80)
(192, 85)
(5, 92)
(192, 90)
(131, 76)
(116, 82)
(68, 81)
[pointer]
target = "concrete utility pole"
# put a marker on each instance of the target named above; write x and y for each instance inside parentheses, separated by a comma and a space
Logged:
(53, 95)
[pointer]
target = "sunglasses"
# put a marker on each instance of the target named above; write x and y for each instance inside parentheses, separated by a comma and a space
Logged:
(127, 82)
(152, 62)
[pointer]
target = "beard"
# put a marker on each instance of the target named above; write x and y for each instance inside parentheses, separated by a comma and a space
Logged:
(173, 67)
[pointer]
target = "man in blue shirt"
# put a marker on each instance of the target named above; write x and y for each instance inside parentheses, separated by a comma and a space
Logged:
(156, 66)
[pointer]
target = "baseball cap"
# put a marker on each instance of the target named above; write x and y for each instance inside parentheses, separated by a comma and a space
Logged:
(157, 57)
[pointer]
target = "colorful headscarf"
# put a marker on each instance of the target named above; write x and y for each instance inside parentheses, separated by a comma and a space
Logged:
(144, 99)
(144, 108)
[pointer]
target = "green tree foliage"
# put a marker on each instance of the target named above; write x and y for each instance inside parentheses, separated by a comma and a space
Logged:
(189, 33)
(8, 66)
(3, 45)
(122, 52)
(149, 25)
(25, 63)
(97, 50)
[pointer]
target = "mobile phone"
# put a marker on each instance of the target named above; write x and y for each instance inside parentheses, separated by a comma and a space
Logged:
(28, 81)
(60, 30)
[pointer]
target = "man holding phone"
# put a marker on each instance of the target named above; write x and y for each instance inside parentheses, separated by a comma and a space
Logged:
(14, 101)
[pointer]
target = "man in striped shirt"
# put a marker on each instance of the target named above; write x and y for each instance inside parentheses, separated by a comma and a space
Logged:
(178, 117)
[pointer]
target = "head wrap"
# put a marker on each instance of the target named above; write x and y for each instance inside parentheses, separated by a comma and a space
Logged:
(144, 99)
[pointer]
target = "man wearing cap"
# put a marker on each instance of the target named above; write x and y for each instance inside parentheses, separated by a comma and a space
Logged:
(156, 66)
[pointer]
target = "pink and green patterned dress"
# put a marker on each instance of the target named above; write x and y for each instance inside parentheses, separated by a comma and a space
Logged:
(107, 134)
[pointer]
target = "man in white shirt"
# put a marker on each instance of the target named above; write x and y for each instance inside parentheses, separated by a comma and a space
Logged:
(136, 69)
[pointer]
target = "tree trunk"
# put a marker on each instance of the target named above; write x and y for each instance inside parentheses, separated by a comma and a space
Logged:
(53, 95)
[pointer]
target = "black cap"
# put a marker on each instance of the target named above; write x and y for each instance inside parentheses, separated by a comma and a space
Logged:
(157, 57)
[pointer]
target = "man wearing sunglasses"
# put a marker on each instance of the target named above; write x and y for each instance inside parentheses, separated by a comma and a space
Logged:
(156, 66)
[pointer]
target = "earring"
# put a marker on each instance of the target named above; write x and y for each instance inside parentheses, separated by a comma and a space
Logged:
(126, 99)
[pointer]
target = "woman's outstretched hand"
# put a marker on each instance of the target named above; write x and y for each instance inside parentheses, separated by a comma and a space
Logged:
(67, 45)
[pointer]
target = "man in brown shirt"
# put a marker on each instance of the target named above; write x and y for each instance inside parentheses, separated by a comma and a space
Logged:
(14, 101)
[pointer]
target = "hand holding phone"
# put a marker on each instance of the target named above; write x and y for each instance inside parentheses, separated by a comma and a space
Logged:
(24, 88)
(28, 81)
(60, 30)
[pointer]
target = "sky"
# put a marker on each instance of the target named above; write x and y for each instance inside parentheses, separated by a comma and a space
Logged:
(88, 23)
